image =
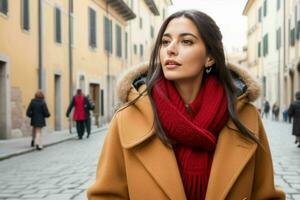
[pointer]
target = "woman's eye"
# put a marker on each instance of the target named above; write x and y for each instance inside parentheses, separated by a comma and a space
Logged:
(165, 42)
(187, 42)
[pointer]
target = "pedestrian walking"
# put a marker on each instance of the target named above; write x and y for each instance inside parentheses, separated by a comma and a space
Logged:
(79, 115)
(89, 105)
(285, 113)
(186, 129)
(275, 111)
(37, 111)
(266, 109)
(294, 113)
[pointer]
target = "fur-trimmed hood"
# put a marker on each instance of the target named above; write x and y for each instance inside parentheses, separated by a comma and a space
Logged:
(125, 81)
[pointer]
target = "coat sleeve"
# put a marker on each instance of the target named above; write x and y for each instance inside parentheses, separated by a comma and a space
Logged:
(71, 105)
(29, 110)
(263, 185)
(111, 180)
(291, 111)
(46, 112)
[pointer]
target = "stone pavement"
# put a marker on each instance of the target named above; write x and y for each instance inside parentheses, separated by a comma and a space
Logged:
(286, 157)
(19, 146)
(58, 172)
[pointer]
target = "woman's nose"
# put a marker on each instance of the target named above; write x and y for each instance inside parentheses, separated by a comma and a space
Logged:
(172, 49)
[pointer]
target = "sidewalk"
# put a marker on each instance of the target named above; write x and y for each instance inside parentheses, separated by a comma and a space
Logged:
(14, 147)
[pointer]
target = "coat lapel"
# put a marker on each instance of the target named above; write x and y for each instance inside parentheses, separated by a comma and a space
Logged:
(158, 160)
(231, 156)
(162, 167)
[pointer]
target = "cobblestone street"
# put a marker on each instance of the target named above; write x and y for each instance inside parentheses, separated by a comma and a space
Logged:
(59, 172)
(286, 157)
(65, 170)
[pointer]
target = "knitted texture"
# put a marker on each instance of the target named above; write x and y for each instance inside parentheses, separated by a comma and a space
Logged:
(194, 128)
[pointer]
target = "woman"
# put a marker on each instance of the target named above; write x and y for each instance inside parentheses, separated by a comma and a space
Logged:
(37, 111)
(294, 112)
(187, 129)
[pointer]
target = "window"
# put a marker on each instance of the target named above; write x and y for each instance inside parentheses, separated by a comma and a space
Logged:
(259, 49)
(118, 40)
(141, 23)
(135, 49)
(265, 8)
(126, 45)
(25, 15)
(259, 14)
(297, 24)
(278, 4)
(92, 28)
(58, 25)
(4, 6)
(291, 34)
(108, 35)
(152, 32)
(278, 38)
(141, 50)
(298, 30)
(265, 45)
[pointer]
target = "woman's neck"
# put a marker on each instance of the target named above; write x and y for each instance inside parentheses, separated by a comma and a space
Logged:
(188, 89)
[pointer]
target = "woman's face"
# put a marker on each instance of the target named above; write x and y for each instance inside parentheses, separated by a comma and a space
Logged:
(182, 52)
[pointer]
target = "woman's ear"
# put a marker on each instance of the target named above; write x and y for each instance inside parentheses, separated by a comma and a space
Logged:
(209, 61)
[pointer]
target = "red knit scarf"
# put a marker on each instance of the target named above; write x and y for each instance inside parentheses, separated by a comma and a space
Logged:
(195, 129)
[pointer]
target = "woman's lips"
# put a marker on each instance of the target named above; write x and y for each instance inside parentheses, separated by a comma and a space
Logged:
(171, 66)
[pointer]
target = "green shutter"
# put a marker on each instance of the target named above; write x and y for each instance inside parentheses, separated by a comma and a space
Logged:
(92, 28)
(259, 14)
(118, 41)
(25, 15)
(259, 49)
(265, 8)
(57, 25)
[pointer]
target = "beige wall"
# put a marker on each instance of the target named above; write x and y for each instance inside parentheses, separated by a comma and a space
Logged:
(21, 51)
(19, 47)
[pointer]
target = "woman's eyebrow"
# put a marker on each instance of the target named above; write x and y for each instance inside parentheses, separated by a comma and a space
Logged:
(180, 35)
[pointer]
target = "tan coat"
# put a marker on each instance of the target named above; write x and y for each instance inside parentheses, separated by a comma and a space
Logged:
(135, 165)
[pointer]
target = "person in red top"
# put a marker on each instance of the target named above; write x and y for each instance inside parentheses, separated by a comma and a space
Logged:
(78, 102)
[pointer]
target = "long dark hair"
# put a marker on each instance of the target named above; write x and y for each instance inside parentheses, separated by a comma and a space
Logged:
(212, 37)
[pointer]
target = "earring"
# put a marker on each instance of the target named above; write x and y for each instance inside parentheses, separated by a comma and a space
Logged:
(208, 69)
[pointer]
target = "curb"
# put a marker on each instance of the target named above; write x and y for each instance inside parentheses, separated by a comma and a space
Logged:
(24, 151)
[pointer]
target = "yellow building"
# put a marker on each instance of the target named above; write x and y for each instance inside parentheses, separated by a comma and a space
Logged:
(61, 45)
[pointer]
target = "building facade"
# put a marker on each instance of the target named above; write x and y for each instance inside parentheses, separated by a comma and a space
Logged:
(273, 45)
(59, 46)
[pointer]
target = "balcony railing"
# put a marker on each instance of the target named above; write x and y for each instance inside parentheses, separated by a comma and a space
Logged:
(122, 8)
(152, 6)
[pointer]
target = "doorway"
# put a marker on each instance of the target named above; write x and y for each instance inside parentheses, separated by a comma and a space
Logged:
(5, 120)
(94, 95)
(57, 103)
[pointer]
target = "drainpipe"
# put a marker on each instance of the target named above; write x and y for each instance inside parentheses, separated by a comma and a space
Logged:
(107, 68)
(70, 49)
(40, 43)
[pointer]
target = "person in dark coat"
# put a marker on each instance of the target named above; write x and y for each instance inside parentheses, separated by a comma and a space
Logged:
(275, 111)
(89, 105)
(266, 109)
(294, 112)
(78, 102)
(37, 111)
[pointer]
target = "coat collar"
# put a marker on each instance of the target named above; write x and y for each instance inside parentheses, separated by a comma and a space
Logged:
(125, 80)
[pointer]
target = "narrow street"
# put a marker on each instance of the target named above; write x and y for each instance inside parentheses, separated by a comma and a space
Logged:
(65, 170)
